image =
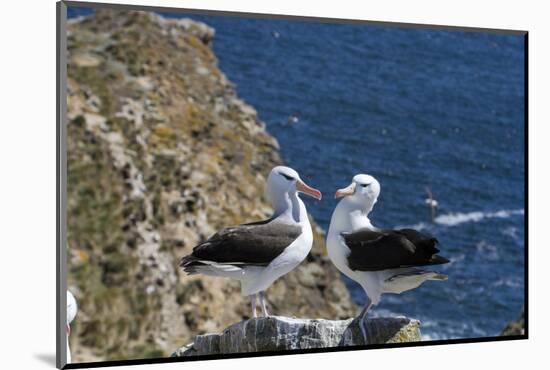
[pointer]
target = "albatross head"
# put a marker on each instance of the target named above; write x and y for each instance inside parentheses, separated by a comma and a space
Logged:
(283, 186)
(285, 180)
(364, 189)
(352, 211)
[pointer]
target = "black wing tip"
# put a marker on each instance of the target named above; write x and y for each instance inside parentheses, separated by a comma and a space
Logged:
(187, 260)
(189, 264)
(439, 260)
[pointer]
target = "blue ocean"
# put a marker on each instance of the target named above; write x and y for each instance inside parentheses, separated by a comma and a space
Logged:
(417, 109)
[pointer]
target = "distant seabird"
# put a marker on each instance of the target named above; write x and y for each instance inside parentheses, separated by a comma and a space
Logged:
(381, 261)
(293, 119)
(432, 203)
(258, 253)
(71, 313)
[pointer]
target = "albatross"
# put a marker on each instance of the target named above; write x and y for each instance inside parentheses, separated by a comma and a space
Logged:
(381, 261)
(258, 253)
(71, 313)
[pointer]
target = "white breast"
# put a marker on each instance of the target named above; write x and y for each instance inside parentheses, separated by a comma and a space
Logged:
(294, 253)
(338, 253)
(257, 279)
(344, 219)
(72, 307)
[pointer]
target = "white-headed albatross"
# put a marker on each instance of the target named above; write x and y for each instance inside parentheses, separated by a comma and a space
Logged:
(72, 308)
(258, 253)
(381, 261)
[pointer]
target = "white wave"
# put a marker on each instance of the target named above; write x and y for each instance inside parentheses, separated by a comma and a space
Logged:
(419, 226)
(487, 250)
(434, 329)
(458, 258)
(509, 283)
(454, 219)
(432, 336)
(513, 233)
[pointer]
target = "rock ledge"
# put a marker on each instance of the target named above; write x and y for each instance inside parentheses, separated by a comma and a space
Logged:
(278, 333)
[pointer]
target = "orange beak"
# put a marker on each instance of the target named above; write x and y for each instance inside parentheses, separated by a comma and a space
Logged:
(68, 330)
(350, 190)
(303, 188)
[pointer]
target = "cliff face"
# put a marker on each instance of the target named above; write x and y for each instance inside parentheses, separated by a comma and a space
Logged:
(283, 334)
(161, 154)
(516, 327)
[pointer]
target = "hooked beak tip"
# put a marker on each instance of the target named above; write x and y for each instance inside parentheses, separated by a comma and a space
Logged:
(303, 188)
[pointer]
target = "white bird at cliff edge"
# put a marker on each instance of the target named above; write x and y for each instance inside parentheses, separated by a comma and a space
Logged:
(258, 253)
(381, 261)
(72, 308)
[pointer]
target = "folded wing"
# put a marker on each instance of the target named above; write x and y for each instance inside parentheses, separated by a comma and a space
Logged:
(249, 244)
(389, 249)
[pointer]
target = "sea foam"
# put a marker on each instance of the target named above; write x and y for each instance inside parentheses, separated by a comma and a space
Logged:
(454, 219)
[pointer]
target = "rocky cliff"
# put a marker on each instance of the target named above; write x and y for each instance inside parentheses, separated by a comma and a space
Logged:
(162, 153)
(516, 327)
(283, 333)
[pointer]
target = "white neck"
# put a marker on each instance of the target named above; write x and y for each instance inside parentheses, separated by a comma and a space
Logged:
(289, 208)
(350, 215)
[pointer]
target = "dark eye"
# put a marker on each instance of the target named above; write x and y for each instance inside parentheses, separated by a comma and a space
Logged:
(289, 178)
(365, 185)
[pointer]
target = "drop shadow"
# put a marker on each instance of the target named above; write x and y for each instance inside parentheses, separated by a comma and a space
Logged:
(47, 358)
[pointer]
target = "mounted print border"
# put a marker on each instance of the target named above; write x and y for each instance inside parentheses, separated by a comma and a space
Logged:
(173, 206)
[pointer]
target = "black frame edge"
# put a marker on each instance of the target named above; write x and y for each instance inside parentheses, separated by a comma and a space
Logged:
(526, 184)
(163, 360)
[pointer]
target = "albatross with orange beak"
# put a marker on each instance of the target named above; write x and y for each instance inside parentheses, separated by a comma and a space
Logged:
(258, 253)
(381, 261)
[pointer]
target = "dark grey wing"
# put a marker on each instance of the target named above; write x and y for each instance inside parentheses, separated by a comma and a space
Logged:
(388, 249)
(249, 244)
(420, 240)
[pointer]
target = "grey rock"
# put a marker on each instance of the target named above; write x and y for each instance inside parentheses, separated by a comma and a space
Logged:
(516, 327)
(277, 333)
